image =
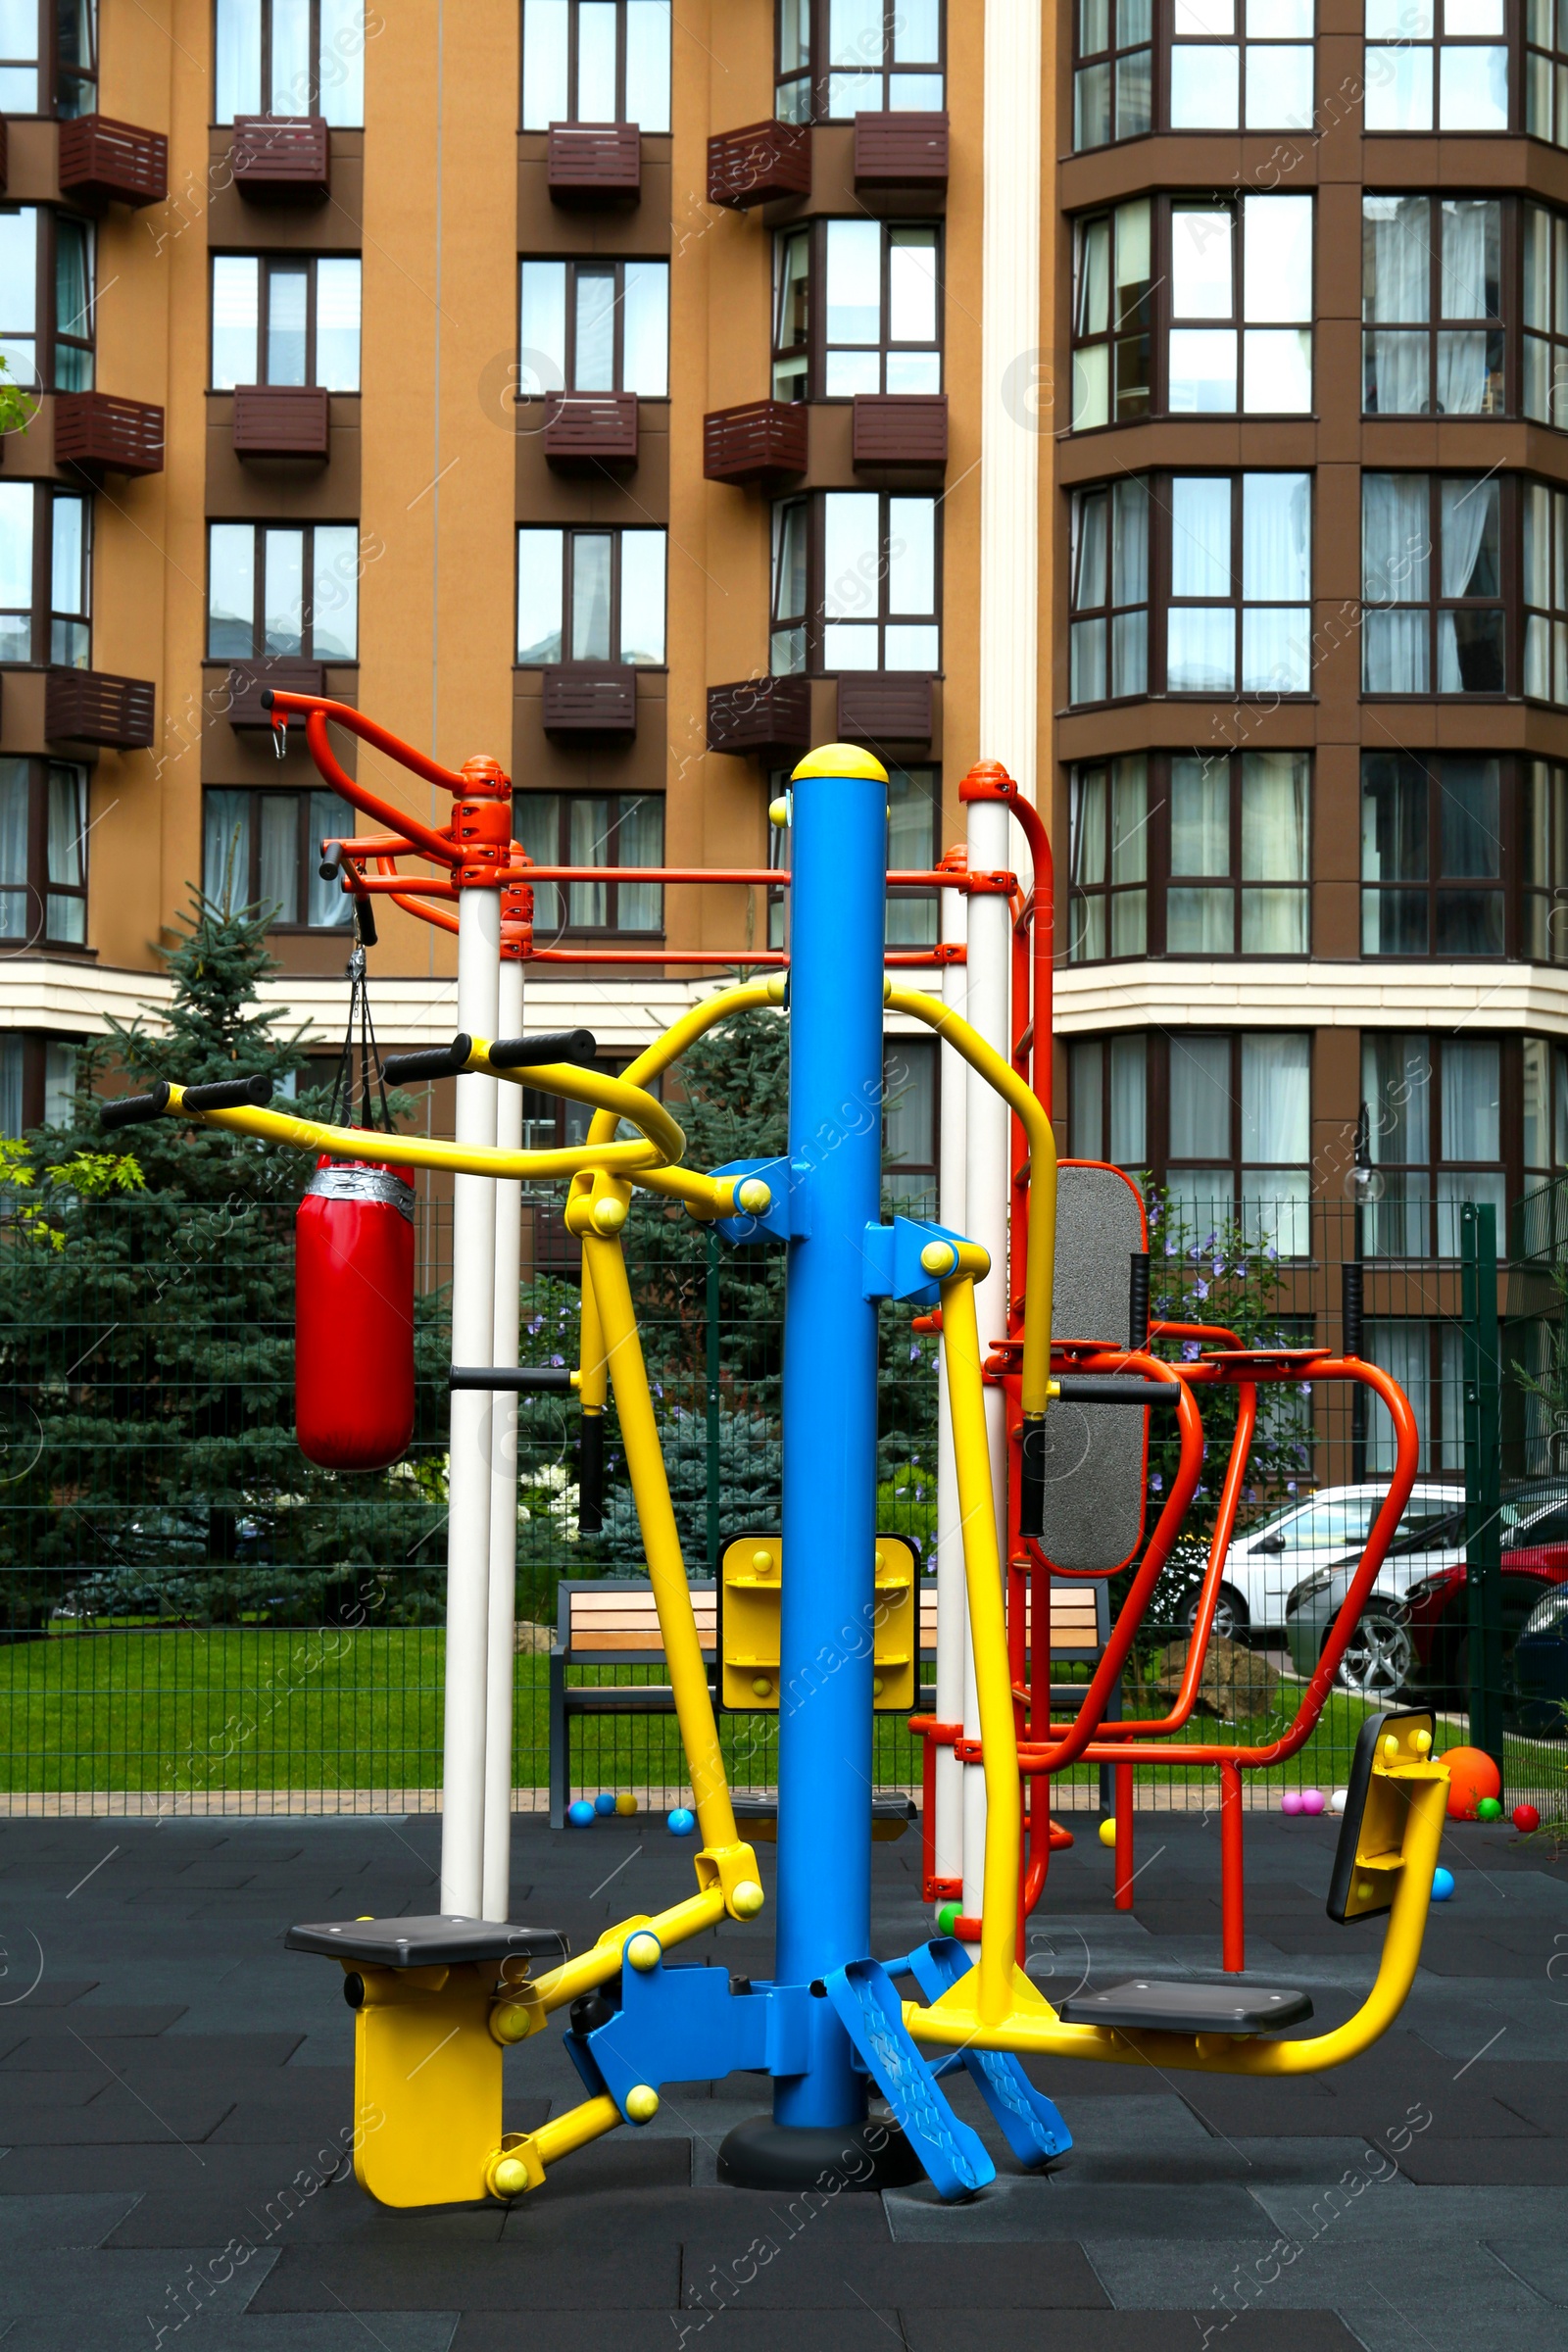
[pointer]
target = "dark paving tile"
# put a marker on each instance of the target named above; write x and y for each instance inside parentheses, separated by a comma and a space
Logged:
(289, 2208)
(1486, 2164)
(983, 2330)
(807, 2275)
(619, 2164)
(100, 2021)
(58, 2049)
(115, 2114)
(586, 2275)
(1541, 2266)
(52, 1992)
(31, 2224)
(220, 2332)
(1034, 2210)
(729, 2332)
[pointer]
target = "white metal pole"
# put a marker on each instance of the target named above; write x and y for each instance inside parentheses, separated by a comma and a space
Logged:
(473, 1320)
(503, 1638)
(952, 1604)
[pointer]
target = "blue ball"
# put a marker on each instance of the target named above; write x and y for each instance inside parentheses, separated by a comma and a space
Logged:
(1442, 1884)
(604, 1805)
(581, 1815)
(682, 1822)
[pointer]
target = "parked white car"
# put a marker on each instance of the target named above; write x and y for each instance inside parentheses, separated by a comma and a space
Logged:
(1265, 1567)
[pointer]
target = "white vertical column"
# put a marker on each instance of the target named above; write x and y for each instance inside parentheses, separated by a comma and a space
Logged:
(473, 1319)
(503, 1640)
(952, 1603)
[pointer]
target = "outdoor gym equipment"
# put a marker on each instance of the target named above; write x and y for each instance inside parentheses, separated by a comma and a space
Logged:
(437, 2000)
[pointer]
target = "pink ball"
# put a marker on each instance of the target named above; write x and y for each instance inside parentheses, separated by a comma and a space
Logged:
(1313, 1800)
(1291, 1801)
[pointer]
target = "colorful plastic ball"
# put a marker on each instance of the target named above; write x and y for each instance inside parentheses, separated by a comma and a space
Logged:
(581, 1814)
(1339, 1800)
(604, 1805)
(1442, 1884)
(625, 1805)
(1525, 1818)
(1472, 1775)
(1291, 1801)
(1313, 1800)
(948, 1918)
(1107, 1832)
(1488, 1808)
(682, 1821)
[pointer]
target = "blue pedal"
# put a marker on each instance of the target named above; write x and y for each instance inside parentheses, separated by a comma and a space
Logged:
(873, 2016)
(1032, 2122)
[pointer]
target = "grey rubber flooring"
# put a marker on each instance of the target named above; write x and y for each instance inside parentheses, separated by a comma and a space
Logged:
(176, 2092)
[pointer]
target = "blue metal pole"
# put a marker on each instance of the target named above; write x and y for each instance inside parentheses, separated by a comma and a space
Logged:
(838, 888)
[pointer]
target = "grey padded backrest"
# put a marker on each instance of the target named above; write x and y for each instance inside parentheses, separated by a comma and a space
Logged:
(1097, 1454)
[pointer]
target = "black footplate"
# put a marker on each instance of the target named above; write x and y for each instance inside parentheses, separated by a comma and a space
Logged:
(1183, 2008)
(425, 1942)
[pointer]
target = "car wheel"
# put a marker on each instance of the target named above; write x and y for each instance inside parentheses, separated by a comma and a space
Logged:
(1230, 1615)
(1379, 1657)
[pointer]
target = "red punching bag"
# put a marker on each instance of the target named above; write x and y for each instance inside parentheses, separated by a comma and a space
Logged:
(354, 1316)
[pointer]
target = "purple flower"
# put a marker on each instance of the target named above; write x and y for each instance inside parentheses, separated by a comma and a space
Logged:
(1270, 1251)
(1157, 1483)
(558, 1359)
(1219, 1265)
(1191, 1349)
(914, 1352)
(1199, 1290)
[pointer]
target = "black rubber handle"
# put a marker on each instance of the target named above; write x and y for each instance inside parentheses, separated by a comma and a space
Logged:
(510, 1376)
(231, 1094)
(431, 1061)
(1138, 1298)
(1032, 1477)
(1352, 1296)
(133, 1111)
(591, 1476)
(556, 1045)
(1115, 1388)
(332, 869)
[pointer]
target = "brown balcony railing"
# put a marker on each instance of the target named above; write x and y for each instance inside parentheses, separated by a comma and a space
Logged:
(761, 716)
(88, 706)
(590, 698)
(283, 159)
(590, 428)
(757, 165)
(886, 706)
(104, 434)
(113, 163)
(4, 156)
(900, 151)
(595, 162)
(239, 688)
(899, 428)
(282, 420)
(756, 442)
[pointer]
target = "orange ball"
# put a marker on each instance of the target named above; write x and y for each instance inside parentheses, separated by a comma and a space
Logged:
(1472, 1775)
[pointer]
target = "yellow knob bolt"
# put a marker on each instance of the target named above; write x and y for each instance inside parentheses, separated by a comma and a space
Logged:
(761, 1561)
(642, 2103)
(748, 1899)
(1391, 1748)
(1423, 1743)
(513, 2021)
(609, 1214)
(643, 1952)
(1364, 1893)
(778, 811)
(939, 1257)
(753, 1197)
(508, 2176)
(760, 1685)
(879, 1561)
(876, 1685)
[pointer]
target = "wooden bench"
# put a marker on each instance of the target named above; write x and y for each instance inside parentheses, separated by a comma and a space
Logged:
(613, 1622)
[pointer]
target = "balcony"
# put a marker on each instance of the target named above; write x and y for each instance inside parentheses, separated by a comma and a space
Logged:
(282, 420)
(755, 443)
(105, 162)
(884, 706)
(899, 428)
(240, 693)
(900, 151)
(586, 430)
(595, 162)
(761, 716)
(4, 156)
(590, 698)
(88, 706)
(283, 159)
(763, 162)
(105, 435)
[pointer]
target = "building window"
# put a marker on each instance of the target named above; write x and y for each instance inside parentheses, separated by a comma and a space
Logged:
(909, 1125)
(596, 60)
(1108, 830)
(1107, 1097)
(1545, 73)
(275, 588)
(1231, 65)
(47, 299)
(1432, 579)
(590, 596)
(1544, 861)
(607, 830)
(1435, 1122)
(28, 31)
(1431, 856)
(285, 319)
(1545, 553)
(856, 583)
(1240, 581)
(263, 849)
(1188, 855)
(1426, 1359)
(842, 58)
(1432, 340)
(595, 326)
(43, 853)
(1436, 65)
(1108, 641)
(45, 574)
(1240, 1135)
(1544, 310)
(915, 812)
(291, 57)
(876, 323)
(1544, 1107)
(1114, 318)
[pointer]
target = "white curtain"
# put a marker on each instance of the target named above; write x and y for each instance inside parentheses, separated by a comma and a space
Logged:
(1395, 266)
(1404, 1350)
(1276, 1122)
(1469, 513)
(1274, 806)
(1470, 1087)
(1395, 571)
(1276, 538)
(1200, 816)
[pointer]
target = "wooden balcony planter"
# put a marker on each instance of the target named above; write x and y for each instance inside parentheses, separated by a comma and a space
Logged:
(107, 435)
(105, 162)
(595, 162)
(900, 151)
(763, 716)
(88, 706)
(282, 420)
(899, 428)
(283, 159)
(590, 429)
(590, 698)
(756, 442)
(240, 687)
(886, 706)
(762, 161)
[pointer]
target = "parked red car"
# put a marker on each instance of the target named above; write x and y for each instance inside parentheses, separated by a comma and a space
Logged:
(1438, 1606)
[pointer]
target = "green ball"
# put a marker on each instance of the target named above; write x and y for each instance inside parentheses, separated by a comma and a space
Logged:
(1488, 1808)
(947, 1919)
